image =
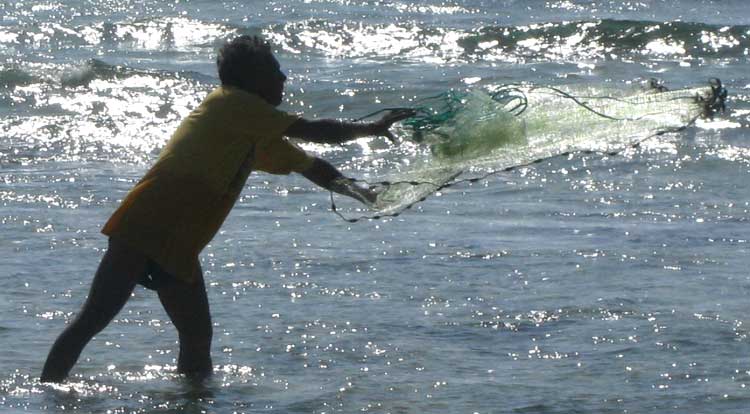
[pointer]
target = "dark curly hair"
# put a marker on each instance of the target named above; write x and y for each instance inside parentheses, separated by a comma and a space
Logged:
(240, 59)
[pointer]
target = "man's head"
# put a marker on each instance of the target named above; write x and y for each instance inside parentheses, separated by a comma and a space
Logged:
(247, 62)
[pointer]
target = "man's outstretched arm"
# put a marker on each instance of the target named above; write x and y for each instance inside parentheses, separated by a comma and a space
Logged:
(322, 173)
(330, 131)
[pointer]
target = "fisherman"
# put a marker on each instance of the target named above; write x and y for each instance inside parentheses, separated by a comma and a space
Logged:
(173, 212)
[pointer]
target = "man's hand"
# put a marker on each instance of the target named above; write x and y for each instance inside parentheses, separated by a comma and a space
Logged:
(327, 176)
(382, 127)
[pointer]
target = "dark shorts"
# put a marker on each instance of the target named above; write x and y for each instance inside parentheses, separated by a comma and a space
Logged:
(155, 276)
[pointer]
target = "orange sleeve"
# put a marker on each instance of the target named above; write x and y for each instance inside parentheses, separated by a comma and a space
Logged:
(279, 156)
(266, 125)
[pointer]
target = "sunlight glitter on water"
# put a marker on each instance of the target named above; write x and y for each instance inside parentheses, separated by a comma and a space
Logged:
(505, 295)
(114, 115)
(354, 40)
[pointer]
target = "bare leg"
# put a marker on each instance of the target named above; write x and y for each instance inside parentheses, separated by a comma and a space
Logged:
(115, 279)
(187, 307)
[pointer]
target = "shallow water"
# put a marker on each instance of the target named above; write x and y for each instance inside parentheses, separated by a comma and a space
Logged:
(588, 283)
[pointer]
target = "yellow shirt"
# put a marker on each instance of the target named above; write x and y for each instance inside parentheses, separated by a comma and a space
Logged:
(182, 201)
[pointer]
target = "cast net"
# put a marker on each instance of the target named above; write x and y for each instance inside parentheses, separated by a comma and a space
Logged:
(469, 136)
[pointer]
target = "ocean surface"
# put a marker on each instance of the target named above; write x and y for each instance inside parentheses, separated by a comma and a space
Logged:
(586, 283)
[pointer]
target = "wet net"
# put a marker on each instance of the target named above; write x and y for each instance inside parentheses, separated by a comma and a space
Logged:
(464, 137)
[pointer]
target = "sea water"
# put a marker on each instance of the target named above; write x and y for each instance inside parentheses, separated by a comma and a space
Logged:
(582, 284)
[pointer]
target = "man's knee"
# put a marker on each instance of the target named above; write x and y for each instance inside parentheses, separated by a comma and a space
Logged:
(206, 333)
(199, 333)
(88, 323)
